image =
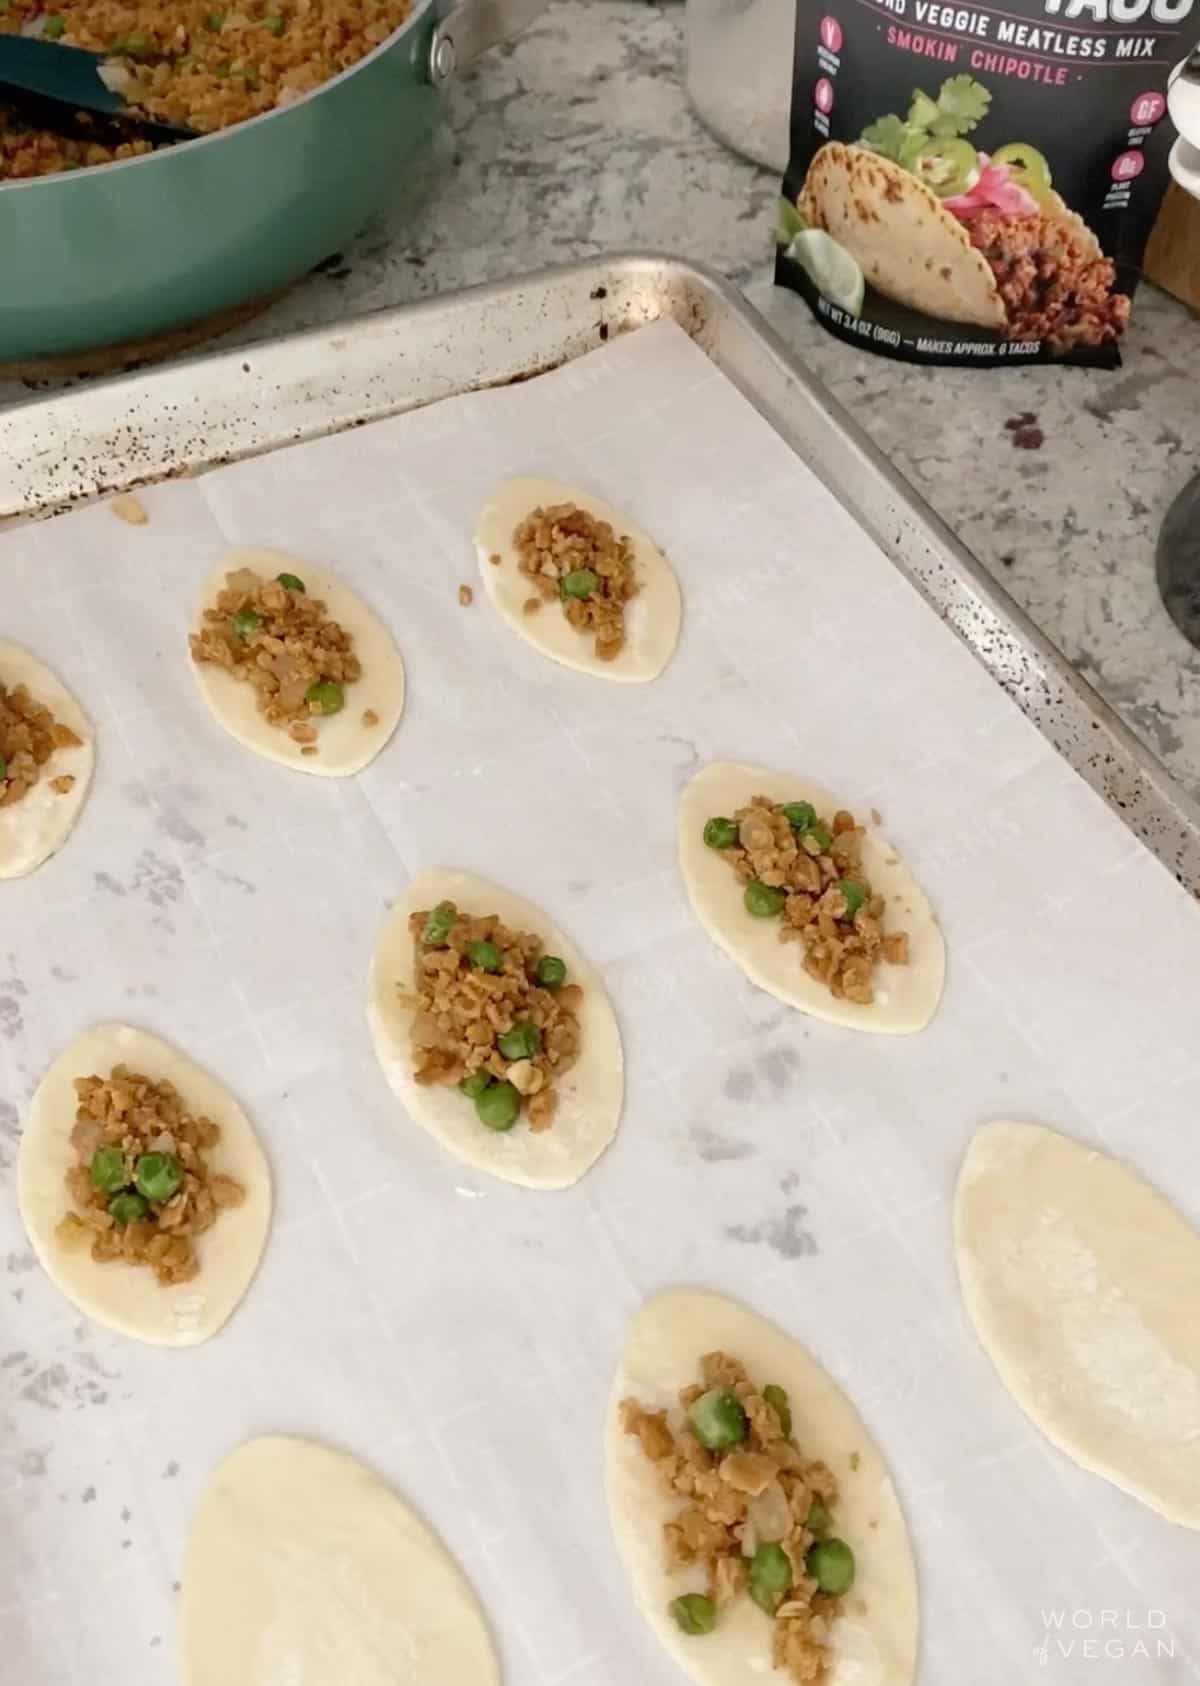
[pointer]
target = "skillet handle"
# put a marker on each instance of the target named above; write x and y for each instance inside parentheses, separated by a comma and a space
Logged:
(471, 27)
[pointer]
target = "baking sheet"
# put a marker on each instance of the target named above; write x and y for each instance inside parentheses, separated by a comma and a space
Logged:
(459, 1335)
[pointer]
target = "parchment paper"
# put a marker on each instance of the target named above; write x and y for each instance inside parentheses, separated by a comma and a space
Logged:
(457, 1334)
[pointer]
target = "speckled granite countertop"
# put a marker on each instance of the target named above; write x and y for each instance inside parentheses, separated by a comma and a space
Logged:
(580, 140)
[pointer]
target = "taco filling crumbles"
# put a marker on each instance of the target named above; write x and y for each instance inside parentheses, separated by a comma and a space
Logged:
(755, 1516)
(29, 736)
(569, 555)
(493, 1014)
(806, 871)
(270, 634)
(1054, 285)
(141, 1188)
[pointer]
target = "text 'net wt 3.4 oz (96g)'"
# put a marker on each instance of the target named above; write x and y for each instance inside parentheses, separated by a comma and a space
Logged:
(976, 183)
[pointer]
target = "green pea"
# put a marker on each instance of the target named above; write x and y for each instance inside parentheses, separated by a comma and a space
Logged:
(474, 1085)
(770, 1577)
(717, 1419)
(326, 697)
(521, 1042)
(816, 840)
(439, 924)
(135, 45)
(3, 768)
(215, 22)
(275, 25)
(580, 582)
(853, 895)
(764, 901)
(127, 1208)
(818, 1520)
(54, 27)
(246, 623)
(498, 1106)
(693, 1612)
(831, 1565)
(720, 833)
(551, 972)
(485, 957)
(777, 1399)
(108, 1170)
(291, 582)
(800, 815)
(157, 1176)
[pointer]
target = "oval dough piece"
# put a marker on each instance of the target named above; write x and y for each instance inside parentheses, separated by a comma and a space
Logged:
(346, 745)
(303, 1567)
(589, 1096)
(124, 1297)
(32, 829)
(906, 997)
(1081, 1283)
(652, 618)
(875, 1639)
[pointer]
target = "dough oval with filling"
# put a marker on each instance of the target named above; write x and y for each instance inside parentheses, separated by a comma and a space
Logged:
(1080, 1280)
(301, 1565)
(39, 823)
(128, 1297)
(652, 617)
(906, 996)
(590, 1093)
(345, 742)
(874, 1639)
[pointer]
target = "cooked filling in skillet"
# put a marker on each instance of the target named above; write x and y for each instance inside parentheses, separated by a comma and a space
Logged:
(1053, 287)
(755, 1515)
(140, 1189)
(273, 636)
(29, 735)
(198, 65)
(26, 150)
(493, 1014)
(582, 563)
(807, 872)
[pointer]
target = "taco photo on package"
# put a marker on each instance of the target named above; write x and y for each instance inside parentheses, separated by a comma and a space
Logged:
(993, 213)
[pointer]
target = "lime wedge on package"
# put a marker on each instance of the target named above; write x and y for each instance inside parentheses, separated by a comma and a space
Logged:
(788, 223)
(830, 268)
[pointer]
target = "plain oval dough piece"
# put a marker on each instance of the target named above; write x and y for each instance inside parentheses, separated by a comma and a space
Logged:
(303, 1569)
(129, 1298)
(32, 829)
(1082, 1283)
(589, 1096)
(906, 997)
(652, 618)
(346, 746)
(875, 1639)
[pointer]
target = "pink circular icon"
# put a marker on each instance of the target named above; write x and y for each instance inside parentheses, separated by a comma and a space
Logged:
(1147, 109)
(823, 95)
(831, 34)
(1128, 165)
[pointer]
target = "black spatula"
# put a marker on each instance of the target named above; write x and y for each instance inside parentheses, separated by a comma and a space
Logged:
(52, 83)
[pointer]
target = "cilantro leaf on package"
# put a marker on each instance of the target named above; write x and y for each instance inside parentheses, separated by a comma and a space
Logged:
(923, 111)
(885, 136)
(962, 103)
